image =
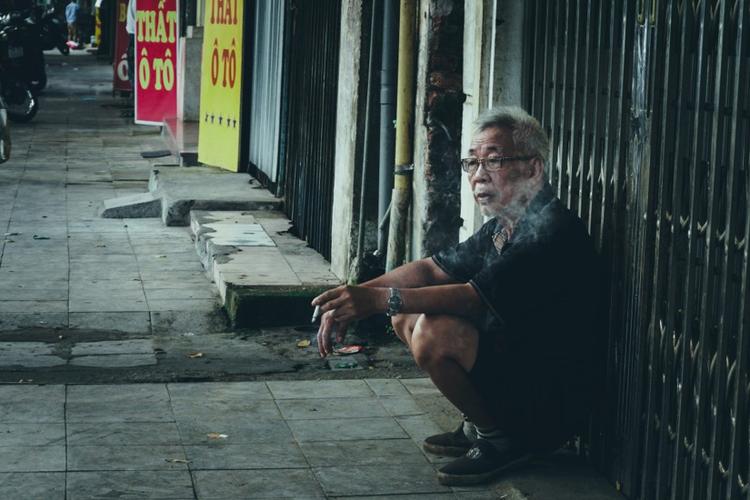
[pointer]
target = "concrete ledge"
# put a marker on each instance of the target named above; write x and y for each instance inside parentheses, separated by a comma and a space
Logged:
(265, 276)
(270, 306)
(206, 188)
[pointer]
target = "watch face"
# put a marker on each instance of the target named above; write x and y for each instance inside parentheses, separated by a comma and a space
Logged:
(394, 302)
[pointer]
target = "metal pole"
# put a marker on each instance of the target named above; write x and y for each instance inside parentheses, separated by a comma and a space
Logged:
(387, 116)
(404, 137)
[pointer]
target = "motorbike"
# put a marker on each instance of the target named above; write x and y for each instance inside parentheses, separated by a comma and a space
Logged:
(20, 102)
(24, 34)
(53, 31)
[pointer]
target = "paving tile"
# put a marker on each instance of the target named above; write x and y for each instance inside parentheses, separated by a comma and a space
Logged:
(14, 321)
(154, 457)
(39, 434)
(130, 322)
(385, 479)
(33, 306)
(222, 391)
(299, 484)
(415, 496)
(401, 406)
(294, 409)
(335, 429)
(32, 403)
(33, 485)
(418, 427)
(129, 485)
(205, 305)
(363, 452)
(239, 430)
(205, 291)
(108, 304)
(115, 360)
(172, 322)
(206, 409)
(122, 433)
(35, 294)
(32, 458)
(275, 455)
(319, 389)
(420, 386)
(131, 346)
(118, 403)
(387, 387)
(29, 354)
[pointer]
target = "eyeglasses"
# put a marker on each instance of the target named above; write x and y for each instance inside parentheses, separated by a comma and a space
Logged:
(471, 165)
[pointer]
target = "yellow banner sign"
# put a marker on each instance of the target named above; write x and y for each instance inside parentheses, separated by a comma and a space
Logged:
(221, 83)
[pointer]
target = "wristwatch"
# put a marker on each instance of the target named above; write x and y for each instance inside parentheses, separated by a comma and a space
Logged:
(395, 302)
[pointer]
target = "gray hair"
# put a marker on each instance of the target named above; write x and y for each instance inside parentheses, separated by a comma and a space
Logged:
(528, 135)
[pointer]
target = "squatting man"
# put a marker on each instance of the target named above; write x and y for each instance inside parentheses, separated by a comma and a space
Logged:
(501, 323)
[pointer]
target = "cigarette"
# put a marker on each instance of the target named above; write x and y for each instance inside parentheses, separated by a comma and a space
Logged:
(316, 314)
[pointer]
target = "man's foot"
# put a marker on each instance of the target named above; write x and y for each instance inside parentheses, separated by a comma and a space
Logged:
(448, 444)
(480, 464)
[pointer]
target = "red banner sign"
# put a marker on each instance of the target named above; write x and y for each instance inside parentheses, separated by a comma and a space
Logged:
(120, 80)
(156, 61)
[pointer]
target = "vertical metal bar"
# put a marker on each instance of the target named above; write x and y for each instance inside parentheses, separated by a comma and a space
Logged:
(562, 141)
(692, 223)
(735, 477)
(595, 158)
(554, 100)
(719, 166)
(534, 26)
(548, 78)
(586, 132)
(661, 381)
(631, 406)
(573, 111)
(680, 277)
(606, 171)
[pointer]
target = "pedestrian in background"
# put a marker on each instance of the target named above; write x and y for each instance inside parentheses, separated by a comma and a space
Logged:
(71, 16)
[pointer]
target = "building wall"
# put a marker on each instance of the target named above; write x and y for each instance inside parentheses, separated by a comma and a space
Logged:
(493, 64)
(343, 247)
(437, 176)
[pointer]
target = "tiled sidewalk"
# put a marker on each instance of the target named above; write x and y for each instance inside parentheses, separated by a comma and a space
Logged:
(278, 439)
(61, 265)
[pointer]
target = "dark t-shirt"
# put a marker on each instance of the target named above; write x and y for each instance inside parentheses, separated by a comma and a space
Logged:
(540, 289)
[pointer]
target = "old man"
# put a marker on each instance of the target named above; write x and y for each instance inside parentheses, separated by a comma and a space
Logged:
(503, 322)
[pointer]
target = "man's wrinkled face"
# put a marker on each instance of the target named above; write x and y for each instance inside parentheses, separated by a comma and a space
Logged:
(503, 191)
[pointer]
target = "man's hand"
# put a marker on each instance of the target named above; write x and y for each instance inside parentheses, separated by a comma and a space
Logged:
(328, 328)
(341, 306)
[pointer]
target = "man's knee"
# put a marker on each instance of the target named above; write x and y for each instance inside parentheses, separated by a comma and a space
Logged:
(400, 323)
(437, 338)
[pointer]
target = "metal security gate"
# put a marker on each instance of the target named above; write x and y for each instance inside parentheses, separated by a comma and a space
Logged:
(647, 103)
(311, 115)
(265, 90)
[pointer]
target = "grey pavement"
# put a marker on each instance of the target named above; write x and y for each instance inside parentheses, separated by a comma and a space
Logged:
(89, 306)
(232, 440)
(61, 264)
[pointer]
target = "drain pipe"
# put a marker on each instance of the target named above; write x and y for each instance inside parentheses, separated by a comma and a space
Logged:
(387, 118)
(366, 152)
(401, 194)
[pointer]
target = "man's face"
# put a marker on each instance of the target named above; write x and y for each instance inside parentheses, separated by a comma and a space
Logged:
(508, 189)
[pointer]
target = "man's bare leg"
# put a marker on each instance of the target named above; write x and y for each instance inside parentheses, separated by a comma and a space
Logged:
(446, 348)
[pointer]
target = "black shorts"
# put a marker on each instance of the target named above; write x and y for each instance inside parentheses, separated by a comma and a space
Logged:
(540, 404)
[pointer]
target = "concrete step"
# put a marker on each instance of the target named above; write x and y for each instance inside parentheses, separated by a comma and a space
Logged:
(133, 206)
(174, 191)
(265, 275)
